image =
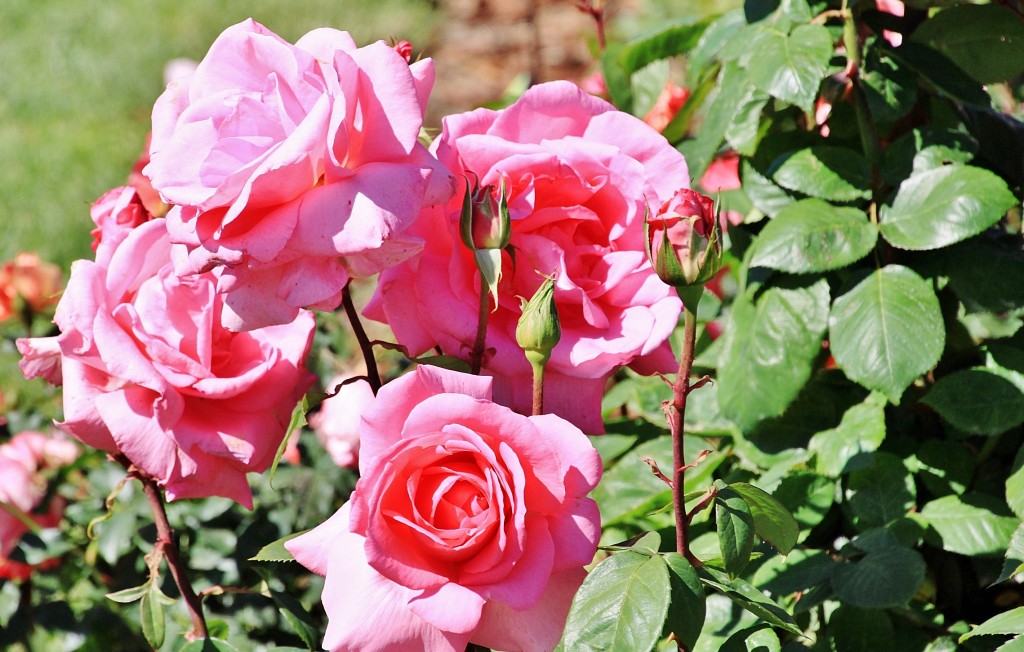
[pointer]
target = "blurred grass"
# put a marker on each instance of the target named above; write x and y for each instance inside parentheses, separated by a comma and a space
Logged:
(79, 78)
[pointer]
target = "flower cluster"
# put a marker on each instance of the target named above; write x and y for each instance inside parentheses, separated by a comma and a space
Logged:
(278, 172)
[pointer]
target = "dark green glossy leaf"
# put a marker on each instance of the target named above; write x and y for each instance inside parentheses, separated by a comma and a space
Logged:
(887, 330)
(846, 447)
(750, 598)
(790, 66)
(925, 148)
(885, 577)
(814, 236)
(782, 329)
(972, 524)
(890, 89)
(941, 72)
(991, 287)
(753, 639)
(686, 611)
(735, 527)
(807, 496)
(978, 401)
(772, 521)
(939, 207)
(861, 630)
(882, 492)
(986, 41)
(621, 606)
(1014, 561)
(833, 173)
(734, 89)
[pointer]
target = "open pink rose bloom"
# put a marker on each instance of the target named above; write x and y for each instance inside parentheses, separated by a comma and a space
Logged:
(469, 523)
(581, 176)
(292, 168)
(149, 372)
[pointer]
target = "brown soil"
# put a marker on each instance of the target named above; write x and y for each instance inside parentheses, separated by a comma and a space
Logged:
(481, 46)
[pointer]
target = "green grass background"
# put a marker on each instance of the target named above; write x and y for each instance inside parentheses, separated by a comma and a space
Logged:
(78, 79)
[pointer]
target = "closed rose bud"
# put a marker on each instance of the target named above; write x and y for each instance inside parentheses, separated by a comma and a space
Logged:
(538, 330)
(683, 240)
(485, 221)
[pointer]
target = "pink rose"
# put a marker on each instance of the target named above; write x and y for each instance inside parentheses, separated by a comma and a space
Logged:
(469, 523)
(115, 214)
(23, 463)
(581, 176)
(293, 167)
(149, 371)
(337, 423)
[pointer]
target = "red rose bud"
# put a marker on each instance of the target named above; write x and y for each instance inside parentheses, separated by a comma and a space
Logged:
(404, 48)
(538, 330)
(683, 240)
(485, 221)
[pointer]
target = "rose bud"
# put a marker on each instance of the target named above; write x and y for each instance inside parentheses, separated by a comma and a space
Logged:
(683, 240)
(485, 221)
(538, 330)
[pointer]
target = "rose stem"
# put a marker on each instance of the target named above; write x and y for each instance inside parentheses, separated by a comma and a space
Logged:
(676, 415)
(165, 540)
(538, 389)
(477, 355)
(372, 375)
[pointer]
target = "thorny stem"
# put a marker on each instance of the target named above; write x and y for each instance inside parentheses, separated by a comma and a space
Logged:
(595, 9)
(477, 355)
(676, 413)
(372, 375)
(166, 544)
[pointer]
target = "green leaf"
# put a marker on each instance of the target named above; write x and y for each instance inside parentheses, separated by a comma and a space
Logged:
(621, 606)
(151, 611)
(986, 41)
(686, 610)
(978, 401)
(885, 577)
(667, 41)
(814, 236)
(991, 287)
(947, 78)
(846, 447)
(781, 330)
(938, 207)
(750, 598)
(1008, 622)
(890, 89)
(216, 645)
(753, 639)
(772, 521)
(807, 496)
(275, 551)
(881, 493)
(790, 66)
(766, 196)
(944, 467)
(297, 421)
(298, 618)
(970, 524)
(735, 527)
(926, 148)
(1014, 562)
(887, 330)
(1015, 485)
(733, 90)
(861, 630)
(126, 596)
(834, 173)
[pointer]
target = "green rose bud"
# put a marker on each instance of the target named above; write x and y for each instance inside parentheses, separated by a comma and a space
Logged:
(485, 222)
(538, 331)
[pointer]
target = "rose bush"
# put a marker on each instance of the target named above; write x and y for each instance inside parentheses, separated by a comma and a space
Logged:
(469, 523)
(293, 167)
(581, 176)
(149, 372)
(24, 460)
